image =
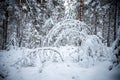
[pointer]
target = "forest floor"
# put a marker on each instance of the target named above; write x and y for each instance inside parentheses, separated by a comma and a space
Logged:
(12, 67)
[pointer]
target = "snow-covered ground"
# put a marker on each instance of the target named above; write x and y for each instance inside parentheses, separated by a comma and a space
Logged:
(54, 63)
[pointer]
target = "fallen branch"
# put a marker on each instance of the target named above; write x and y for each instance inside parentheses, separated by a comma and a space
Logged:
(35, 53)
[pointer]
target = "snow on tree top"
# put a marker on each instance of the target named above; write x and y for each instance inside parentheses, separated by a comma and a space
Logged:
(68, 31)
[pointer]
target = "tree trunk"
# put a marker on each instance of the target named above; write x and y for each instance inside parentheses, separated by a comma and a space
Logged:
(81, 9)
(96, 17)
(103, 27)
(108, 35)
(115, 20)
(19, 30)
(5, 27)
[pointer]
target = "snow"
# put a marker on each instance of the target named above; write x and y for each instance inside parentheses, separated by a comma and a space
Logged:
(87, 2)
(52, 68)
(69, 53)
(69, 28)
(56, 46)
(24, 7)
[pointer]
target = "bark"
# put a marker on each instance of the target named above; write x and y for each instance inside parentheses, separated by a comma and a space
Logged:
(81, 9)
(108, 35)
(103, 26)
(115, 20)
(19, 30)
(96, 17)
(5, 27)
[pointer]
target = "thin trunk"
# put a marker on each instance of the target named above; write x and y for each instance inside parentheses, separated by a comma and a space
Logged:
(3, 45)
(18, 27)
(108, 35)
(115, 20)
(5, 27)
(103, 26)
(96, 17)
(81, 9)
(19, 31)
(117, 17)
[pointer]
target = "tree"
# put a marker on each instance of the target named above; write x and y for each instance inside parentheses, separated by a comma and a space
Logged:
(96, 22)
(5, 25)
(108, 35)
(81, 9)
(115, 18)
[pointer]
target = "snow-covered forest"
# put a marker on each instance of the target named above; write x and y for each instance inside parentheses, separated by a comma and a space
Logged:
(59, 40)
